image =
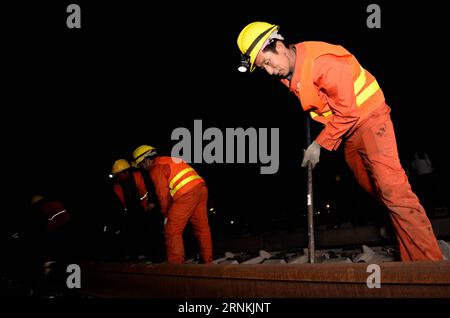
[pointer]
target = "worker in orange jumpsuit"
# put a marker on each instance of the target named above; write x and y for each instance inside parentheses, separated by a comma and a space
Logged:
(52, 217)
(183, 197)
(126, 179)
(339, 93)
(133, 203)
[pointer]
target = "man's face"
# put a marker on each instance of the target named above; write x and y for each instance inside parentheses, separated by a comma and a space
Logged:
(276, 64)
(123, 175)
(145, 164)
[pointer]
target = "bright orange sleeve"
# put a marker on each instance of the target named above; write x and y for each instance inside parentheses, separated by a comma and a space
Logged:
(160, 176)
(334, 76)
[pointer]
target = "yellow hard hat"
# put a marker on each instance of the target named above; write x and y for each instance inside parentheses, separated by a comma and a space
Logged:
(141, 152)
(36, 198)
(251, 40)
(119, 166)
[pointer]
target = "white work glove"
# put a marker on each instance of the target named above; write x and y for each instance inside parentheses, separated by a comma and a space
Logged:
(311, 154)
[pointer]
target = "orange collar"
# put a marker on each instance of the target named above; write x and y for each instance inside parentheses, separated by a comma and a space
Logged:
(293, 83)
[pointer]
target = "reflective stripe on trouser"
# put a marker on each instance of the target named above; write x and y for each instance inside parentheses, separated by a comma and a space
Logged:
(371, 153)
(191, 206)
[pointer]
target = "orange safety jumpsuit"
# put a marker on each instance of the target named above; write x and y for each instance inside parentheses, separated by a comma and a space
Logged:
(141, 188)
(346, 98)
(183, 197)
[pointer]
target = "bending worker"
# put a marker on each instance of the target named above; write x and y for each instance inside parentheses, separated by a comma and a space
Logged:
(133, 203)
(183, 197)
(129, 186)
(339, 93)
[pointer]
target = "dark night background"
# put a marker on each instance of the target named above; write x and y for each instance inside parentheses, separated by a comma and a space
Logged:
(76, 100)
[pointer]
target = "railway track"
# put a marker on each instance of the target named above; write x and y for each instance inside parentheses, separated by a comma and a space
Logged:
(327, 280)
